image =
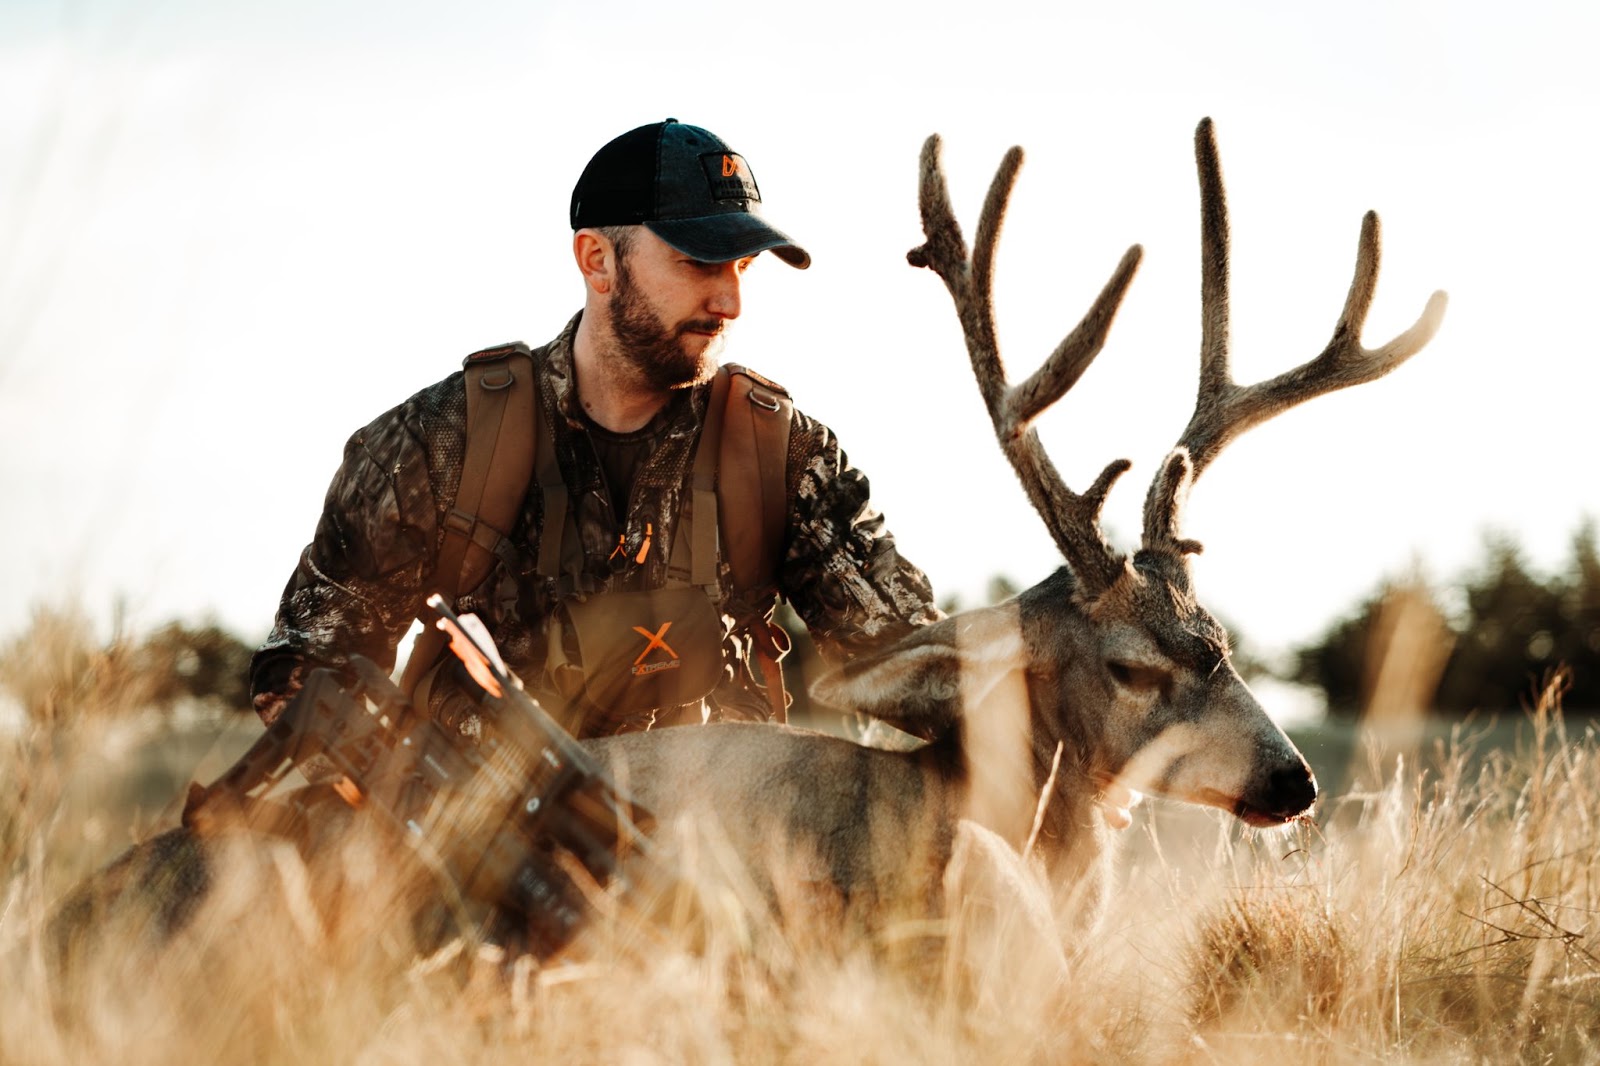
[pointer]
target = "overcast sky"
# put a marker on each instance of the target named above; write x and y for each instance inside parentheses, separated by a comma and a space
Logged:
(231, 233)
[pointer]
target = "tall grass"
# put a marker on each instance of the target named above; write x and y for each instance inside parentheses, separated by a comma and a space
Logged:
(1443, 916)
(1448, 916)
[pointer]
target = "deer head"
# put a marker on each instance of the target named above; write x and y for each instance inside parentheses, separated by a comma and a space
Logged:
(1122, 665)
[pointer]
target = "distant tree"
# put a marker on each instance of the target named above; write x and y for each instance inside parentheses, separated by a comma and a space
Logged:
(206, 662)
(1001, 588)
(59, 669)
(1508, 641)
(1513, 627)
(1336, 663)
(1577, 643)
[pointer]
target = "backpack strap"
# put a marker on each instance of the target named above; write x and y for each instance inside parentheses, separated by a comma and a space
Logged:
(706, 509)
(752, 489)
(502, 402)
(553, 533)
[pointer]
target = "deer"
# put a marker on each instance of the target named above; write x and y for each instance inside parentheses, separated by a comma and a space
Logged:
(1038, 718)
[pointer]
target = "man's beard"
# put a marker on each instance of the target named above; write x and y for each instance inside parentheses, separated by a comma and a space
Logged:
(655, 349)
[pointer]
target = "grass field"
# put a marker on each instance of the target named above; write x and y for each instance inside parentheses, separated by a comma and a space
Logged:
(1443, 915)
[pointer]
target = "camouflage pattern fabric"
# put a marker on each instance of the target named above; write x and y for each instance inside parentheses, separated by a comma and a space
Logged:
(367, 571)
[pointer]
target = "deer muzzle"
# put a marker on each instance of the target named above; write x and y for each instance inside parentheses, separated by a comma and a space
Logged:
(1279, 794)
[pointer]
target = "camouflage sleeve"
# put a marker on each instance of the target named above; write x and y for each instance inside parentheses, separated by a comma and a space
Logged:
(359, 583)
(842, 572)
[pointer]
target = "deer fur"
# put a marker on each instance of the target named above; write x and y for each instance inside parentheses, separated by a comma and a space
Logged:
(1107, 673)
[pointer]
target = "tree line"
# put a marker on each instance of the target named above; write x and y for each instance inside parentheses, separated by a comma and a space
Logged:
(60, 669)
(1504, 628)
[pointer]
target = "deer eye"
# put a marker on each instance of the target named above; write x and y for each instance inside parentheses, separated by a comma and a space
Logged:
(1138, 678)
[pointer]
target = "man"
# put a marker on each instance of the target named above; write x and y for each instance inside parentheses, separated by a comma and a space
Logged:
(666, 219)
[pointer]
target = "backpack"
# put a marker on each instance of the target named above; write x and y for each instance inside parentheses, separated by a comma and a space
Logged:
(747, 430)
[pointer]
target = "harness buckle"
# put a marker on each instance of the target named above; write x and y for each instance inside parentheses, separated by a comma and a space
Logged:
(496, 379)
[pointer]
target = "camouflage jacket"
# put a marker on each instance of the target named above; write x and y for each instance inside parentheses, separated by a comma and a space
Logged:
(363, 578)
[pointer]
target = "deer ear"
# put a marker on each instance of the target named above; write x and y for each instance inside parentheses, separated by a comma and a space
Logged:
(928, 680)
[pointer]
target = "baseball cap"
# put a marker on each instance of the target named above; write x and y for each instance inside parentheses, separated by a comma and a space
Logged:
(688, 187)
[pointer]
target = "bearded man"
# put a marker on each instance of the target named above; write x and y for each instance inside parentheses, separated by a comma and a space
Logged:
(666, 220)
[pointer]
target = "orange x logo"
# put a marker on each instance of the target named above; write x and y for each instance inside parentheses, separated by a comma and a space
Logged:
(658, 639)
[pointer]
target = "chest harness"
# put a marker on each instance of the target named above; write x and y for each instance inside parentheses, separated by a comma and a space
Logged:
(619, 654)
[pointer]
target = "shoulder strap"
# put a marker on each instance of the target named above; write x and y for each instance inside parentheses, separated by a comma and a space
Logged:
(752, 494)
(706, 510)
(753, 477)
(502, 404)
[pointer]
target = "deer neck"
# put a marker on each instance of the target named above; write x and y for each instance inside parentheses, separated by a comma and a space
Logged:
(1012, 783)
(1073, 838)
(1066, 744)
(996, 724)
(1009, 743)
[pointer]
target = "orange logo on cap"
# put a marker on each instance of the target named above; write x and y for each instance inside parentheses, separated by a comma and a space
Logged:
(730, 166)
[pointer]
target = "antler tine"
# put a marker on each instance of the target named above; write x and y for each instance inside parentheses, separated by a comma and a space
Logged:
(1073, 519)
(1225, 409)
(1214, 260)
(969, 278)
(1064, 366)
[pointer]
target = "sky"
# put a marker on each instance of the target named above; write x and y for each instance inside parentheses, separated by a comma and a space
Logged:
(232, 233)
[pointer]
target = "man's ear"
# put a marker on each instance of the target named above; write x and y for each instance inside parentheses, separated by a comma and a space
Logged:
(596, 259)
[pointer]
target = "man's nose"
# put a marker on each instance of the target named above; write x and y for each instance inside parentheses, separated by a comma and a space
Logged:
(724, 300)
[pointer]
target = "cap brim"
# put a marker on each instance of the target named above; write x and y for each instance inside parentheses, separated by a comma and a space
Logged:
(719, 238)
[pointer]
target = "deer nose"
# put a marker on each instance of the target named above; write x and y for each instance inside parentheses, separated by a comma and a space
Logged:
(1280, 794)
(1292, 789)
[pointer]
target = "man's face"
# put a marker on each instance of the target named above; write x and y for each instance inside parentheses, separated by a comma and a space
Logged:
(669, 313)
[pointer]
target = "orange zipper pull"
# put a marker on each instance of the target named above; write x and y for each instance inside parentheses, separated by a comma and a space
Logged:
(644, 549)
(622, 546)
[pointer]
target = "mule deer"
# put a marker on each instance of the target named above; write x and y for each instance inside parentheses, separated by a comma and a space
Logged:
(1106, 673)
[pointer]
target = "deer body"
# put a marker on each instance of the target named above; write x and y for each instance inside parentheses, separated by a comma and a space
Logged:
(998, 689)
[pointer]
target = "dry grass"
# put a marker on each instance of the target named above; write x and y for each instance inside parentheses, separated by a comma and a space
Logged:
(1447, 917)
(1444, 917)
(59, 671)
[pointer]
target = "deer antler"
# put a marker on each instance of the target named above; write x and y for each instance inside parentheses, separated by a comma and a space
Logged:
(1073, 519)
(1224, 409)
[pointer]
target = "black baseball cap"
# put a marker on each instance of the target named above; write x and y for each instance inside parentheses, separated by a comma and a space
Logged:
(688, 187)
